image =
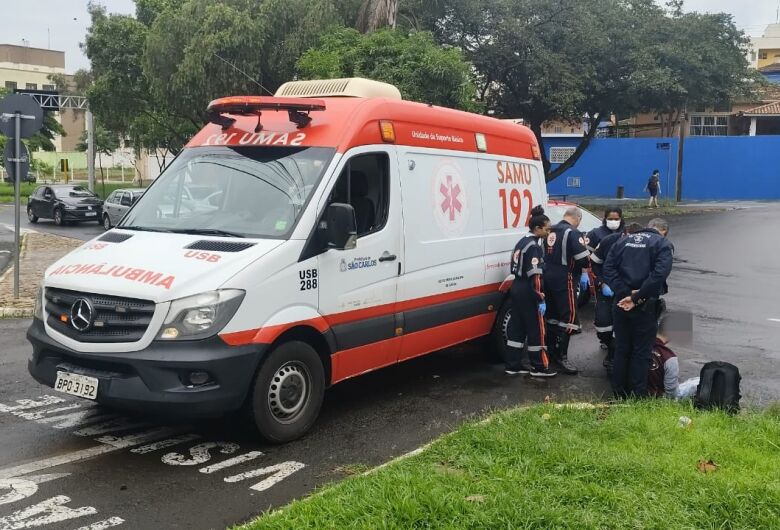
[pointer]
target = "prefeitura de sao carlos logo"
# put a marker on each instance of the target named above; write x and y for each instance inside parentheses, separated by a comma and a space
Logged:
(450, 200)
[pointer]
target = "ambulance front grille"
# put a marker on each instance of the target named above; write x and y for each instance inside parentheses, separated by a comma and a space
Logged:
(112, 318)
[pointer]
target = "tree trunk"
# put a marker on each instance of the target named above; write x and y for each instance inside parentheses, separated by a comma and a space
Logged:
(376, 14)
(536, 128)
(593, 126)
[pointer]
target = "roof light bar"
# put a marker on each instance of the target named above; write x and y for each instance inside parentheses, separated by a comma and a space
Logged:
(298, 109)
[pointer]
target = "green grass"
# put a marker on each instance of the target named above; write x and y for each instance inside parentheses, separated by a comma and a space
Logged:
(622, 467)
(7, 190)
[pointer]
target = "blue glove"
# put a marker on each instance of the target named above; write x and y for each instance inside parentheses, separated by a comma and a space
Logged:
(542, 308)
(584, 281)
(606, 291)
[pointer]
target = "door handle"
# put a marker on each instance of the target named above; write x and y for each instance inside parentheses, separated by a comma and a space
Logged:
(387, 257)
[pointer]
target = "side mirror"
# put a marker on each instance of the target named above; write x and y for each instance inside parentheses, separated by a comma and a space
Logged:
(339, 227)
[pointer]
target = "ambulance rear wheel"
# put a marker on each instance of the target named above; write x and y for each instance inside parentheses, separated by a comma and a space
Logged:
(287, 392)
(499, 336)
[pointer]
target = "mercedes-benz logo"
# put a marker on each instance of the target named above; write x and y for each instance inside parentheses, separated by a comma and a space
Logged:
(81, 314)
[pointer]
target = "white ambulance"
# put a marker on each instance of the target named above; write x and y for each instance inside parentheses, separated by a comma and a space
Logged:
(297, 241)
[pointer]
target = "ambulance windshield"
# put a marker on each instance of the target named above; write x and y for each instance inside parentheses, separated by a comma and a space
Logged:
(256, 192)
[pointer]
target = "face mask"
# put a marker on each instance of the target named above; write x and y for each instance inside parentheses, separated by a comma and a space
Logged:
(613, 224)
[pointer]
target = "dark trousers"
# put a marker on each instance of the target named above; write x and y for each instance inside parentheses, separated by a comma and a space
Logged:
(561, 315)
(525, 327)
(635, 333)
(603, 322)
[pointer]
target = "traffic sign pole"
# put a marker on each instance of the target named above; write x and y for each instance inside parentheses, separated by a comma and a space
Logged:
(17, 200)
(20, 117)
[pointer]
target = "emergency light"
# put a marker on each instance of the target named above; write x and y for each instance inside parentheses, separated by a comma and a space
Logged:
(298, 109)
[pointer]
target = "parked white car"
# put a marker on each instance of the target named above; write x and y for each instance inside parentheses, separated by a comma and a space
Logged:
(117, 204)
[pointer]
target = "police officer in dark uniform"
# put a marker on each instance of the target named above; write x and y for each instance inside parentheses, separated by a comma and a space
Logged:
(602, 320)
(565, 256)
(636, 269)
(526, 326)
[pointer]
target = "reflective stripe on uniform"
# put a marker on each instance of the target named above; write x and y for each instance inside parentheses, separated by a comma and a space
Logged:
(552, 321)
(575, 327)
(535, 270)
(535, 348)
(595, 259)
(603, 329)
(514, 344)
(583, 254)
(564, 248)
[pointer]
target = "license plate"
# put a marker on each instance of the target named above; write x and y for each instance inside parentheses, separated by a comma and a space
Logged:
(91, 214)
(76, 385)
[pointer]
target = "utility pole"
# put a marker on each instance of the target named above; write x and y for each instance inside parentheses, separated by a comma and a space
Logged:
(680, 149)
(90, 151)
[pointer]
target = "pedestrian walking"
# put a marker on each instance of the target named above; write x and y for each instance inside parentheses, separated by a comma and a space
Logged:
(565, 258)
(526, 326)
(636, 269)
(654, 188)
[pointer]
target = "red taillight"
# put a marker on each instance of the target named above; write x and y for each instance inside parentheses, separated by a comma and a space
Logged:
(535, 152)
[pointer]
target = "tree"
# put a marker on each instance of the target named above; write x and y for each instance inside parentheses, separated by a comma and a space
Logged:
(575, 60)
(106, 142)
(118, 90)
(421, 69)
(376, 14)
(206, 49)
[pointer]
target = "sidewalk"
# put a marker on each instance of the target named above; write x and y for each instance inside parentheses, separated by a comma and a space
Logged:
(39, 250)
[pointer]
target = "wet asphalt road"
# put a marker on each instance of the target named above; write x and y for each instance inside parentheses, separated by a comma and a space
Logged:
(84, 231)
(210, 474)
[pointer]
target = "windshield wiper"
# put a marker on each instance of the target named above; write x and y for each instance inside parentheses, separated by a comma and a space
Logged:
(144, 229)
(207, 232)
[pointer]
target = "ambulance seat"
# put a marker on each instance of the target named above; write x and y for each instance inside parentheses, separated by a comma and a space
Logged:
(365, 211)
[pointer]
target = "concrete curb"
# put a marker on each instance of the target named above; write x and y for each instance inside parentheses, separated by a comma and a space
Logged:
(15, 312)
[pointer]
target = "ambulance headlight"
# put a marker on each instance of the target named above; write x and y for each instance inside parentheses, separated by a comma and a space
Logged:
(200, 316)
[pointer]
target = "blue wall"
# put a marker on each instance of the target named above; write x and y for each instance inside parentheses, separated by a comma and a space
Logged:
(723, 168)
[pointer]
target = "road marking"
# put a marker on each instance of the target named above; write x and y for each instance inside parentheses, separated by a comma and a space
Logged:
(110, 444)
(78, 419)
(25, 404)
(46, 463)
(774, 319)
(54, 509)
(21, 488)
(280, 472)
(200, 454)
(102, 525)
(164, 444)
(240, 459)
(40, 414)
(118, 424)
(133, 439)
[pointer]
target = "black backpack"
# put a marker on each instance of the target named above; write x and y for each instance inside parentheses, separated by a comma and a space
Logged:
(718, 387)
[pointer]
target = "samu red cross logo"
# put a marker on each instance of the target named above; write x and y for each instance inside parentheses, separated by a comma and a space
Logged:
(450, 203)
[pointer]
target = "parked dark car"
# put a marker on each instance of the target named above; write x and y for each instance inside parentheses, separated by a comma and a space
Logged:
(64, 203)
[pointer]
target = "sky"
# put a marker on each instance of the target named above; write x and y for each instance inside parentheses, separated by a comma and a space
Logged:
(62, 24)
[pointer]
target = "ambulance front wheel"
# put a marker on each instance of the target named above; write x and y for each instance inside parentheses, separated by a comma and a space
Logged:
(287, 392)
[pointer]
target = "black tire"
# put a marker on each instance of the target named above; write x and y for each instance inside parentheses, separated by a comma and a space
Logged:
(106, 222)
(498, 337)
(58, 219)
(31, 216)
(297, 367)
